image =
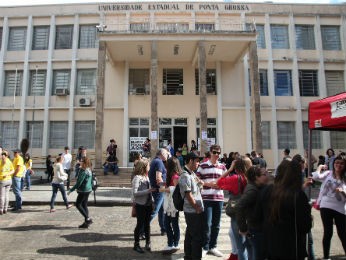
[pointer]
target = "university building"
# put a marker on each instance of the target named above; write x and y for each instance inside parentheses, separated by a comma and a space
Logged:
(237, 74)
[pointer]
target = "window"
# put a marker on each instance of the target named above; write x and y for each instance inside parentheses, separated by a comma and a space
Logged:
(286, 135)
(61, 80)
(86, 82)
(283, 83)
(13, 83)
(210, 81)
(87, 36)
(338, 140)
(334, 82)
(331, 37)
(58, 131)
(315, 138)
(37, 83)
(211, 129)
(17, 39)
(138, 132)
(308, 83)
(173, 27)
(205, 27)
(139, 82)
(279, 36)
(0, 37)
(263, 75)
(63, 37)
(139, 27)
(84, 134)
(265, 129)
(261, 40)
(9, 134)
(305, 37)
(173, 82)
(40, 38)
(34, 133)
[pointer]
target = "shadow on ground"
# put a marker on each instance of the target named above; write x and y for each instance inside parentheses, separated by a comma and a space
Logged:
(34, 227)
(97, 237)
(105, 252)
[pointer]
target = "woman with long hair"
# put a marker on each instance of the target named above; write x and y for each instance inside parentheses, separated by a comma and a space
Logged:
(331, 200)
(141, 196)
(329, 158)
(286, 214)
(84, 188)
(171, 213)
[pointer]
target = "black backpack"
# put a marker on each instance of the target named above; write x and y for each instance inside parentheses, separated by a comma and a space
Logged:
(178, 201)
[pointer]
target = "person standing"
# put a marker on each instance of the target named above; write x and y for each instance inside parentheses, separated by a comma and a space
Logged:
(146, 146)
(157, 176)
(58, 183)
(28, 172)
(112, 148)
(84, 188)
(19, 170)
(82, 153)
(209, 172)
(66, 164)
(141, 196)
(329, 158)
(49, 167)
(6, 171)
(190, 190)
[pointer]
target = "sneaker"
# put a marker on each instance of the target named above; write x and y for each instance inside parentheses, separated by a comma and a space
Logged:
(214, 251)
(138, 249)
(177, 247)
(84, 225)
(52, 210)
(69, 206)
(204, 253)
(89, 221)
(168, 248)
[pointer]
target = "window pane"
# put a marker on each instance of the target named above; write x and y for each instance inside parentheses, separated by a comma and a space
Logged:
(0, 37)
(58, 131)
(134, 121)
(205, 27)
(84, 134)
(9, 134)
(144, 121)
(308, 83)
(316, 137)
(144, 132)
(172, 27)
(63, 37)
(164, 135)
(87, 36)
(330, 37)
(37, 83)
(334, 82)
(13, 83)
(61, 80)
(338, 140)
(133, 132)
(210, 81)
(86, 84)
(286, 135)
(265, 129)
(165, 121)
(40, 38)
(283, 83)
(180, 121)
(305, 37)
(173, 82)
(139, 27)
(17, 39)
(279, 36)
(261, 42)
(139, 82)
(34, 133)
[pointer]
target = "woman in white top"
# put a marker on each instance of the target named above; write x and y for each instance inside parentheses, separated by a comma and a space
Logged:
(58, 183)
(332, 199)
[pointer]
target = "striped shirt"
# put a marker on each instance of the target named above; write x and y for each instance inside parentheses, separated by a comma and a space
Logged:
(208, 172)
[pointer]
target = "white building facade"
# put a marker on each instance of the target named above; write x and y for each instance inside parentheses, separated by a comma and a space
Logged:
(82, 74)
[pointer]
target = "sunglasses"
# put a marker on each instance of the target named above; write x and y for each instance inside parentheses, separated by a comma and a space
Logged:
(216, 152)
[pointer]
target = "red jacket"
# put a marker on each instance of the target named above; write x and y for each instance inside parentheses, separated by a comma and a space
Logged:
(230, 183)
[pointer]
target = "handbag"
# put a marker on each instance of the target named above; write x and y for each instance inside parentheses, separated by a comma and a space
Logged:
(233, 199)
(133, 211)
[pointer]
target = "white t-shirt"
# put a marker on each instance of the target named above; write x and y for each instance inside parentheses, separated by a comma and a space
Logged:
(67, 161)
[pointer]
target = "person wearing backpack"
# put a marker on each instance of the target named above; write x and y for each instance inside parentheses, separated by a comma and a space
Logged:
(190, 189)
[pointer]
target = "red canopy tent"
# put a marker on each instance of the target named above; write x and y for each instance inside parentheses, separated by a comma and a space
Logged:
(327, 114)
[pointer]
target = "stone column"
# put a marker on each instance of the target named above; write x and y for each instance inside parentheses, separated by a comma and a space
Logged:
(202, 94)
(255, 98)
(100, 90)
(153, 93)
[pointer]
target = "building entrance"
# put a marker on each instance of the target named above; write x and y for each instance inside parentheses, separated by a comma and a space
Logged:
(179, 136)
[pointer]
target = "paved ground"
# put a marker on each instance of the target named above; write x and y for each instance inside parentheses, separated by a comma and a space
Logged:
(37, 234)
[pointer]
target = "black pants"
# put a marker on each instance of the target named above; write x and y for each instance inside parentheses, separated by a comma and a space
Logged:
(328, 216)
(193, 236)
(68, 178)
(82, 204)
(143, 222)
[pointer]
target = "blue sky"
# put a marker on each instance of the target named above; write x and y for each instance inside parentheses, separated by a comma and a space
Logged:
(37, 2)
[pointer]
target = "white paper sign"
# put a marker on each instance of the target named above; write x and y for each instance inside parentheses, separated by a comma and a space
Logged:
(204, 135)
(136, 143)
(153, 135)
(338, 108)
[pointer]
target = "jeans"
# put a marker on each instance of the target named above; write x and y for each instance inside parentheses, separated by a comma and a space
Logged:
(143, 222)
(68, 171)
(4, 194)
(172, 229)
(193, 236)
(328, 217)
(234, 249)
(17, 185)
(240, 241)
(311, 253)
(158, 202)
(55, 188)
(27, 180)
(111, 167)
(254, 245)
(212, 216)
(82, 204)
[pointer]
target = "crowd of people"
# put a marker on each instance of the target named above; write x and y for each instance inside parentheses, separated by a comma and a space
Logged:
(268, 219)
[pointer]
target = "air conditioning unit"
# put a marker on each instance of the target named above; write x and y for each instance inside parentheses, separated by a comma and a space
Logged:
(85, 102)
(61, 92)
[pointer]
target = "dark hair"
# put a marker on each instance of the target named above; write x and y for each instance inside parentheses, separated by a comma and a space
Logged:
(280, 170)
(173, 167)
(340, 158)
(239, 166)
(215, 147)
(252, 173)
(26, 158)
(330, 149)
(287, 151)
(285, 190)
(298, 158)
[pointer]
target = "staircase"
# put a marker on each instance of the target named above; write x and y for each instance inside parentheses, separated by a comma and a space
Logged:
(122, 179)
